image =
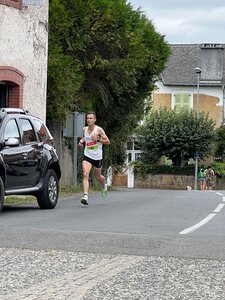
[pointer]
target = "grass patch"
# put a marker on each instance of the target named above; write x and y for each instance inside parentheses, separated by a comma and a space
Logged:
(65, 191)
(22, 199)
(19, 199)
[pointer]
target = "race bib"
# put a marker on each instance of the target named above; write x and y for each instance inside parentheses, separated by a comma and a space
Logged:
(92, 145)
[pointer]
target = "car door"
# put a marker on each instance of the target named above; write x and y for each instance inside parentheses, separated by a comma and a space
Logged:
(32, 152)
(22, 161)
(13, 156)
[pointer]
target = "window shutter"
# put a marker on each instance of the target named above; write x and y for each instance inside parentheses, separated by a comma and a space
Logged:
(181, 101)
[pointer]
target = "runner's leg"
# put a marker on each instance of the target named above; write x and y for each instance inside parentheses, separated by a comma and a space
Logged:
(101, 180)
(86, 168)
(99, 176)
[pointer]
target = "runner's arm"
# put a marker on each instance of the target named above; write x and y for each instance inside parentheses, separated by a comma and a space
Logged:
(103, 137)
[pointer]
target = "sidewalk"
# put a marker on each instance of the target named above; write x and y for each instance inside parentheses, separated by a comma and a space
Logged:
(62, 275)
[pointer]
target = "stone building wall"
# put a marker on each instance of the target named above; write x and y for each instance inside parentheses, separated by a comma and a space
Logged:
(172, 182)
(24, 48)
(164, 181)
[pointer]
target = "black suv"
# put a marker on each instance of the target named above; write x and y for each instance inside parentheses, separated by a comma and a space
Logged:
(29, 164)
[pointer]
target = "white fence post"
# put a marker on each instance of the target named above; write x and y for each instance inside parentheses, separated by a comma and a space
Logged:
(130, 177)
(109, 176)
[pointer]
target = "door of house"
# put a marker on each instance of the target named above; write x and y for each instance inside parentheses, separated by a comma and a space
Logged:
(3, 95)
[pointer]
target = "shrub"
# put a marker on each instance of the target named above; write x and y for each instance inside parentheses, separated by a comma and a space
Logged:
(144, 169)
(219, 168)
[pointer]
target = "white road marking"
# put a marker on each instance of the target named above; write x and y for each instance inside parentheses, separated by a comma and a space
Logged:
(196, 226)
(205, 220)
(219, 208)
(219, 194)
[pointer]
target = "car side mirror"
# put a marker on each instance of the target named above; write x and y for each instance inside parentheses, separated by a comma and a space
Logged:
(12, 142)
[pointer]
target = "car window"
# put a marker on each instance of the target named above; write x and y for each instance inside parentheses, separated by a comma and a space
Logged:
(28, 135)
(42, 131)
(11, 130)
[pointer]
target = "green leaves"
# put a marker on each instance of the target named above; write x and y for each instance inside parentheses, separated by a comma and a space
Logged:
(103, 55)
(219, 144)
(111, 52)
(177, 135)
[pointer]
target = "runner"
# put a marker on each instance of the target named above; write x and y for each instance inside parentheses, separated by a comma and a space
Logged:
(93, 139)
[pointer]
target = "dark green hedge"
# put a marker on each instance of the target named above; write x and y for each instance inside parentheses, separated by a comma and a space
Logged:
(142, 168)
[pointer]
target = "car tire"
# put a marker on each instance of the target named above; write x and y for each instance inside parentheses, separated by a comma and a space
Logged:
(48, 197)
(2, 194)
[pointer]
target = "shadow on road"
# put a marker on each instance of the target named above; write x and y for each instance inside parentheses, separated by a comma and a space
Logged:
(19, 207)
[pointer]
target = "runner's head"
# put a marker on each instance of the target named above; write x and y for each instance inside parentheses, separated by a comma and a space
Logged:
(91, 118)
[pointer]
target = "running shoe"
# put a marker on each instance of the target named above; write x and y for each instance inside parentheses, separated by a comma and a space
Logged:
(104, 191)
(84, 199)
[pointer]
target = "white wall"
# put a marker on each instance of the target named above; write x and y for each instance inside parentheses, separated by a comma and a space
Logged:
(210, 91)
(24, 46)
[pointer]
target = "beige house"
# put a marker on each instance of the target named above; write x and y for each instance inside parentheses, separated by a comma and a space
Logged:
(194, 78)
(23, 54)
(178, 84)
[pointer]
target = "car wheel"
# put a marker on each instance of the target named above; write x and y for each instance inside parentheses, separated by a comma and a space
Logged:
(48, 197)
(2, 194)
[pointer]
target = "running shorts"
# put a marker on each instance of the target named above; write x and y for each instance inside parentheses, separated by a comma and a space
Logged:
(95, 163)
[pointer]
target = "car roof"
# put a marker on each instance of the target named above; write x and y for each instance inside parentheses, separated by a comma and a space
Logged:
(7, 111)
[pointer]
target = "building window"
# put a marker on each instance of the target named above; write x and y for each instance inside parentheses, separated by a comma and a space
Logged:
(138, 155)
(182, 100)
(133, 150)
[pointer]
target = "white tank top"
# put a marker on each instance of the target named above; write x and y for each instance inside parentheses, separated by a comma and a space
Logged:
(92, 149)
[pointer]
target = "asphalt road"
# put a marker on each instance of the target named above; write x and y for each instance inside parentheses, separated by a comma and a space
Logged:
(143, 222)
(135, 244)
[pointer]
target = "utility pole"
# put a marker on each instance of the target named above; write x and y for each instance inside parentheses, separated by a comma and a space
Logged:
(74, 128)
(198, 72)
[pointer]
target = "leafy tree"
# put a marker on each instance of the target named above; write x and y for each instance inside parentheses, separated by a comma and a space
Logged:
(177, 135)
(64, 72)
(104, 56)
(219, 144)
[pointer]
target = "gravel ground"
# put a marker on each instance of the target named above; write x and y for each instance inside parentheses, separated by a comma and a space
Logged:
(59, 275)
